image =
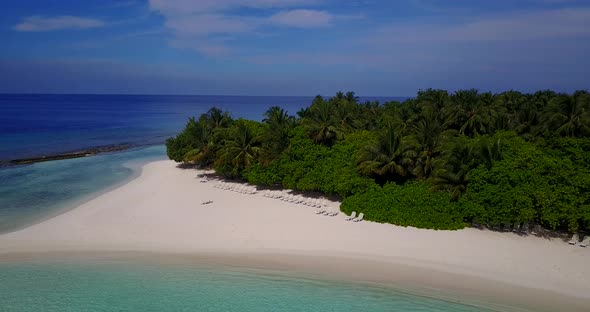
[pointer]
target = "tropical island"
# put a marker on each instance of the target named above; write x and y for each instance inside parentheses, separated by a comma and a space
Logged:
(441, 160)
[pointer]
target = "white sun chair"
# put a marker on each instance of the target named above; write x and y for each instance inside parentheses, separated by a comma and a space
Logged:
(206, 202)
(317, 203)
(308, 202)
(299, 199)
(585, 242)
(575, 239)
(333, 213)
(359, 218)
(253, 190)
(320, 211)
(351, 217)
(204, 179)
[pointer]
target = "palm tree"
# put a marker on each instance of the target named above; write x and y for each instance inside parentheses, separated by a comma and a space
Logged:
(240, 147)
(388, 158)
(427, 137)
(321, 124)
(276, 137)
(218, 118)
(479, 115)
(569, 115)
(460, 156)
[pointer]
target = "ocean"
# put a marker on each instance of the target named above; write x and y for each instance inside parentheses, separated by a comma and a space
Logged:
(76, 286)
(33, 125)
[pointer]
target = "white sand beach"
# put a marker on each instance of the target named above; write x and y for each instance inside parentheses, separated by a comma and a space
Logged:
(160, 212)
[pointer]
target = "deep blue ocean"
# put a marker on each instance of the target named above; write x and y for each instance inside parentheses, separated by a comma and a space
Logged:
(33, 125)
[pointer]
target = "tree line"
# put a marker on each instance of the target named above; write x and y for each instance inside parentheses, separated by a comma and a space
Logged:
(440, 160)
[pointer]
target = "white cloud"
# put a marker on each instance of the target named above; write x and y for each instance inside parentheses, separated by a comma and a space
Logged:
(515, 27)
(38, 23)
(167, 7)
(302, 18)
(197, 25)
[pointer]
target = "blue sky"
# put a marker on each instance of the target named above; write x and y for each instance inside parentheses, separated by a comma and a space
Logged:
(293, 47)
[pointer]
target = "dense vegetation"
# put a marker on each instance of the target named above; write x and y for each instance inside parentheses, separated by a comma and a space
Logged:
(438, 160)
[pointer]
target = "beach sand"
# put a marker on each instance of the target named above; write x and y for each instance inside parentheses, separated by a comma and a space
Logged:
(158, 217)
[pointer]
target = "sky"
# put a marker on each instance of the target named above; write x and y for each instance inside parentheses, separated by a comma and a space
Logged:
(293, 47)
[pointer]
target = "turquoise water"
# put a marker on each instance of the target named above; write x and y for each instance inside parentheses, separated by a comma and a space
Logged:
(137, 287)
(31, 193)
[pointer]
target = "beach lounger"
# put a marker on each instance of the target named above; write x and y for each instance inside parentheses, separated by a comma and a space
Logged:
(206, 202)
(320, 211)
(516, 228)
(585, 242)
(352, 216)
(525, 228)
(507, 226)
(575, 239)
(536, 230)
(359, 218)
(333, 213)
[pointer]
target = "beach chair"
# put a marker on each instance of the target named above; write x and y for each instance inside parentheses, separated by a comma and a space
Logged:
(333, 213)
(253, 190)
(359, 218)
(507, 226)
(206, 202)
(585, 242)
(320, 211)
(204, 179)
(525, 228)
(536, 230)
(352, 216)
(300, 199)
(516, 228)
(575, 239)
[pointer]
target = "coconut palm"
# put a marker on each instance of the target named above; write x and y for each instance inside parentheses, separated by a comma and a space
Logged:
(240, 147)
(321, 124)
(427, 137)
(276, 136)
(569, 115)
(388, 158)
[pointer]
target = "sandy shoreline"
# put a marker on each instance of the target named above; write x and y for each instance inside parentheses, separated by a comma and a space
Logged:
(159, 212)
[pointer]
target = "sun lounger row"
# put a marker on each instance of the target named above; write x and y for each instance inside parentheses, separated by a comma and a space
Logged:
(576, 238)
(240, 188)
(324, 212)
(354, 218)
(296, 199)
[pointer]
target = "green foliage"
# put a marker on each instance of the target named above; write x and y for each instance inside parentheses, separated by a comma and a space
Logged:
(530, 185)
(462, 156)
(411, 204)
